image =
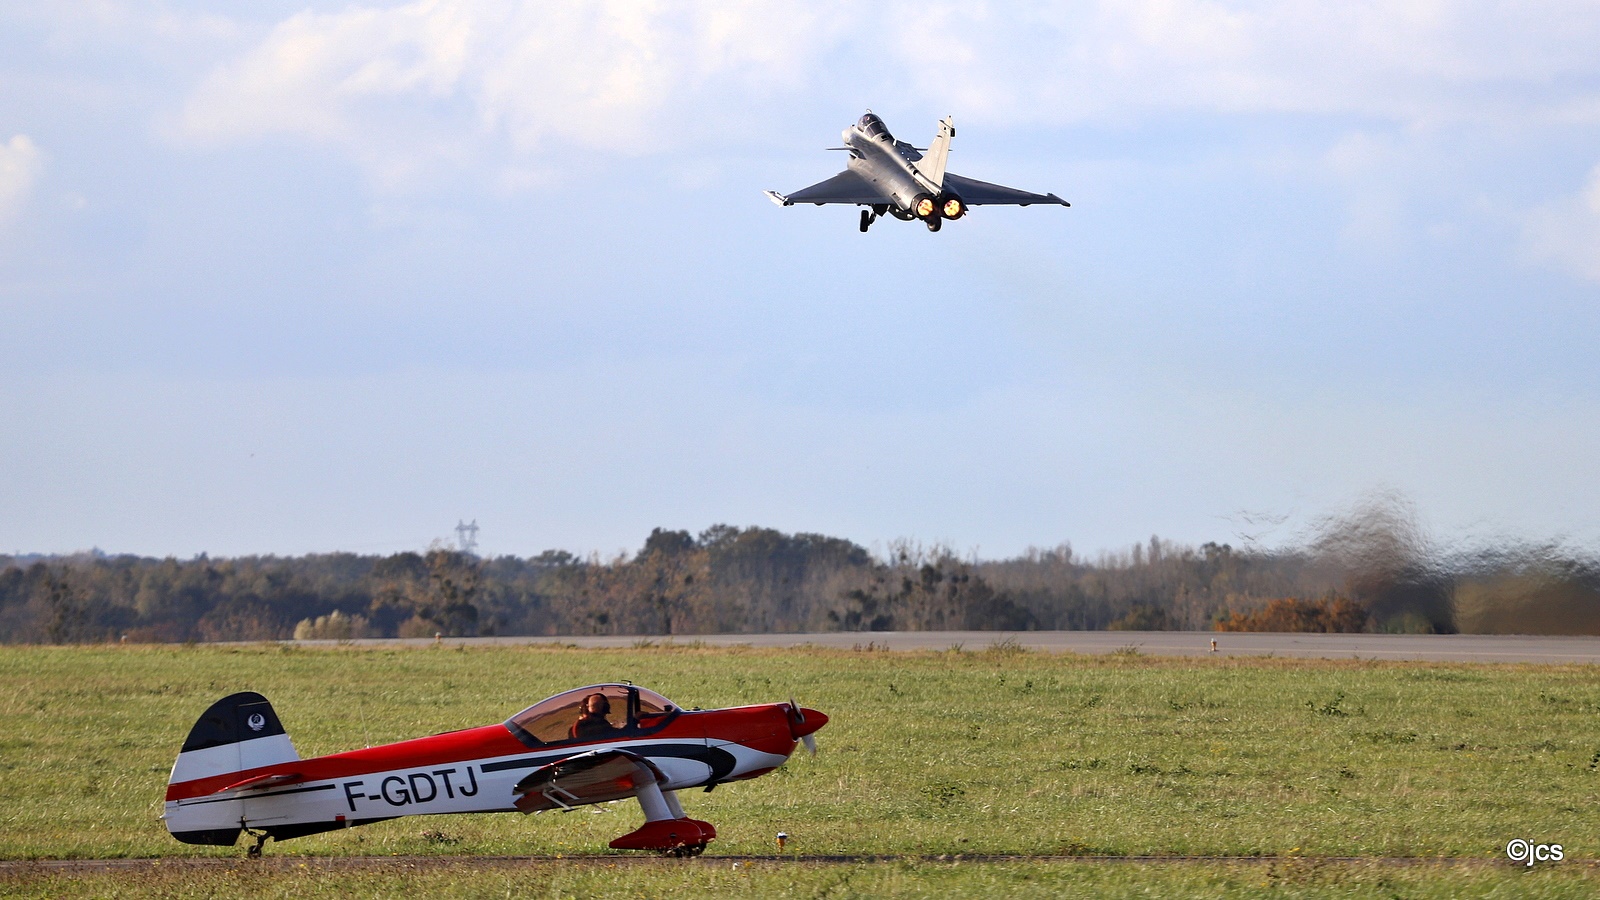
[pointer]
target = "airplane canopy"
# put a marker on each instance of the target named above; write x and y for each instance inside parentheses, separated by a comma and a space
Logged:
(874, 127)
(629, 711)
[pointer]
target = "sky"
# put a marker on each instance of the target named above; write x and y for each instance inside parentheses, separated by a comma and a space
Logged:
(288, 278)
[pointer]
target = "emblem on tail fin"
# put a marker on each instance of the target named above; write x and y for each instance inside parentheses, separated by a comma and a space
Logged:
(236, 734)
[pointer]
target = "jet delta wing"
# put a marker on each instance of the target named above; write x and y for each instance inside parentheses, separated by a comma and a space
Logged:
(982, 193)
(894, 178)
(845, 187)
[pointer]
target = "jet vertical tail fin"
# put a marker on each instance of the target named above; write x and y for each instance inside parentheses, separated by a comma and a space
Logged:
(932, 163)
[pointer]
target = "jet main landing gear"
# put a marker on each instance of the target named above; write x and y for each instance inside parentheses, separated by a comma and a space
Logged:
(867, 218)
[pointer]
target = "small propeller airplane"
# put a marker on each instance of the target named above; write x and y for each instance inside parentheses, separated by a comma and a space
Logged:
(893, 178)
(238, 771)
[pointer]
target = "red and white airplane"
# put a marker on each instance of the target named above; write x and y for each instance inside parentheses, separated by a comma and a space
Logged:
(238, 772)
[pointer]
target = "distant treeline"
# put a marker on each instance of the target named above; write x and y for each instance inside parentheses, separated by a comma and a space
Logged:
(1365, 573)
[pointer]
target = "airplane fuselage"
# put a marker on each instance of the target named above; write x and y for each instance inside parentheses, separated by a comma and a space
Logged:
(878, 160)
(238, 771)
(474, 771)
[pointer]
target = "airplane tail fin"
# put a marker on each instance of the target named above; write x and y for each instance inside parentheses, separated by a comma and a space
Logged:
(238, 733)
(932, 163)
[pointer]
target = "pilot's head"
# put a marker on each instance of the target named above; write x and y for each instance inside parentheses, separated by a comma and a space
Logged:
(597, 705)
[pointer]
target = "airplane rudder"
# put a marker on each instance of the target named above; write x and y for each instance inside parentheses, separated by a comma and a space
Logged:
(229, 721)
(241, 731)
(933, 162)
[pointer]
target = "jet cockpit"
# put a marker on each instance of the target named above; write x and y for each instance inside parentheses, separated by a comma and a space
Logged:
(874, 127)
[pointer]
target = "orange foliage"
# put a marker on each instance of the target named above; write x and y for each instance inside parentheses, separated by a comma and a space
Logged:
(1330, 614)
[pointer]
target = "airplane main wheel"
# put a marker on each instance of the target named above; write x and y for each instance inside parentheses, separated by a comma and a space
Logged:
(683, 851)
(866, 220)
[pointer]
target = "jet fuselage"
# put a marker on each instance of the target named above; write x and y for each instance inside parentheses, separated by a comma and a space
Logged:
(877, 159)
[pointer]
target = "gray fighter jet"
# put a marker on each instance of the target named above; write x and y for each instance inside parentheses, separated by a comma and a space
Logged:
(893, 178)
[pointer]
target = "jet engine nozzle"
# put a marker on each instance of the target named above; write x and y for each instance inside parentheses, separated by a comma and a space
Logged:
(925, 206)
(951, 206)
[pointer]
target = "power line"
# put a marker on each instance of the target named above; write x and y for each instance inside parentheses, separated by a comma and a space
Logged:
(467, 536)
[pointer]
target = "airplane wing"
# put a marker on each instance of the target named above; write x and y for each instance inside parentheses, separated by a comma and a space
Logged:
(982, 193)
(593, 777)
(845, 187)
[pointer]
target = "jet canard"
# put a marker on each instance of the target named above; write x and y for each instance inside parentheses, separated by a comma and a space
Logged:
(893, 178)
(238, 772)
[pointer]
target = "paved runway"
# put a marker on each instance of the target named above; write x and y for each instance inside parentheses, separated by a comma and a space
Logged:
(1426, 647)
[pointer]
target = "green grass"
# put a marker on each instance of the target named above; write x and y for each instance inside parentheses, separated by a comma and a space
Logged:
(996, 752)
(707, 877)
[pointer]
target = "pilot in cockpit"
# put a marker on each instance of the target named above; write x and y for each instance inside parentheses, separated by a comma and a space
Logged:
(593, 722)
(874, 127)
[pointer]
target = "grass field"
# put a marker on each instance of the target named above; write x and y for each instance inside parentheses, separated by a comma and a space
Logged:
(989, 752)
(712, 877)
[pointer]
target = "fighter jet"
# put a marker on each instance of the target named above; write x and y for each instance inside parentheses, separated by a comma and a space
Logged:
(893, 178)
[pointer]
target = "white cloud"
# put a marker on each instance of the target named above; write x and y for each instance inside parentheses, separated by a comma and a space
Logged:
(1407, 62)
(435, 80)
(1566, 233)
(462, 81)
(20, 164)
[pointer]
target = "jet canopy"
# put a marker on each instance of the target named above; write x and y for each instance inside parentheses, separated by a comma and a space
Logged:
(874, 127)
(622, 710)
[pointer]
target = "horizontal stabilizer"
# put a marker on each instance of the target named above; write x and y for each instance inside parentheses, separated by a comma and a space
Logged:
(262, 781)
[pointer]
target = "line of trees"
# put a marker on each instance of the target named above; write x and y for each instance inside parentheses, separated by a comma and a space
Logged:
(1368, 572)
